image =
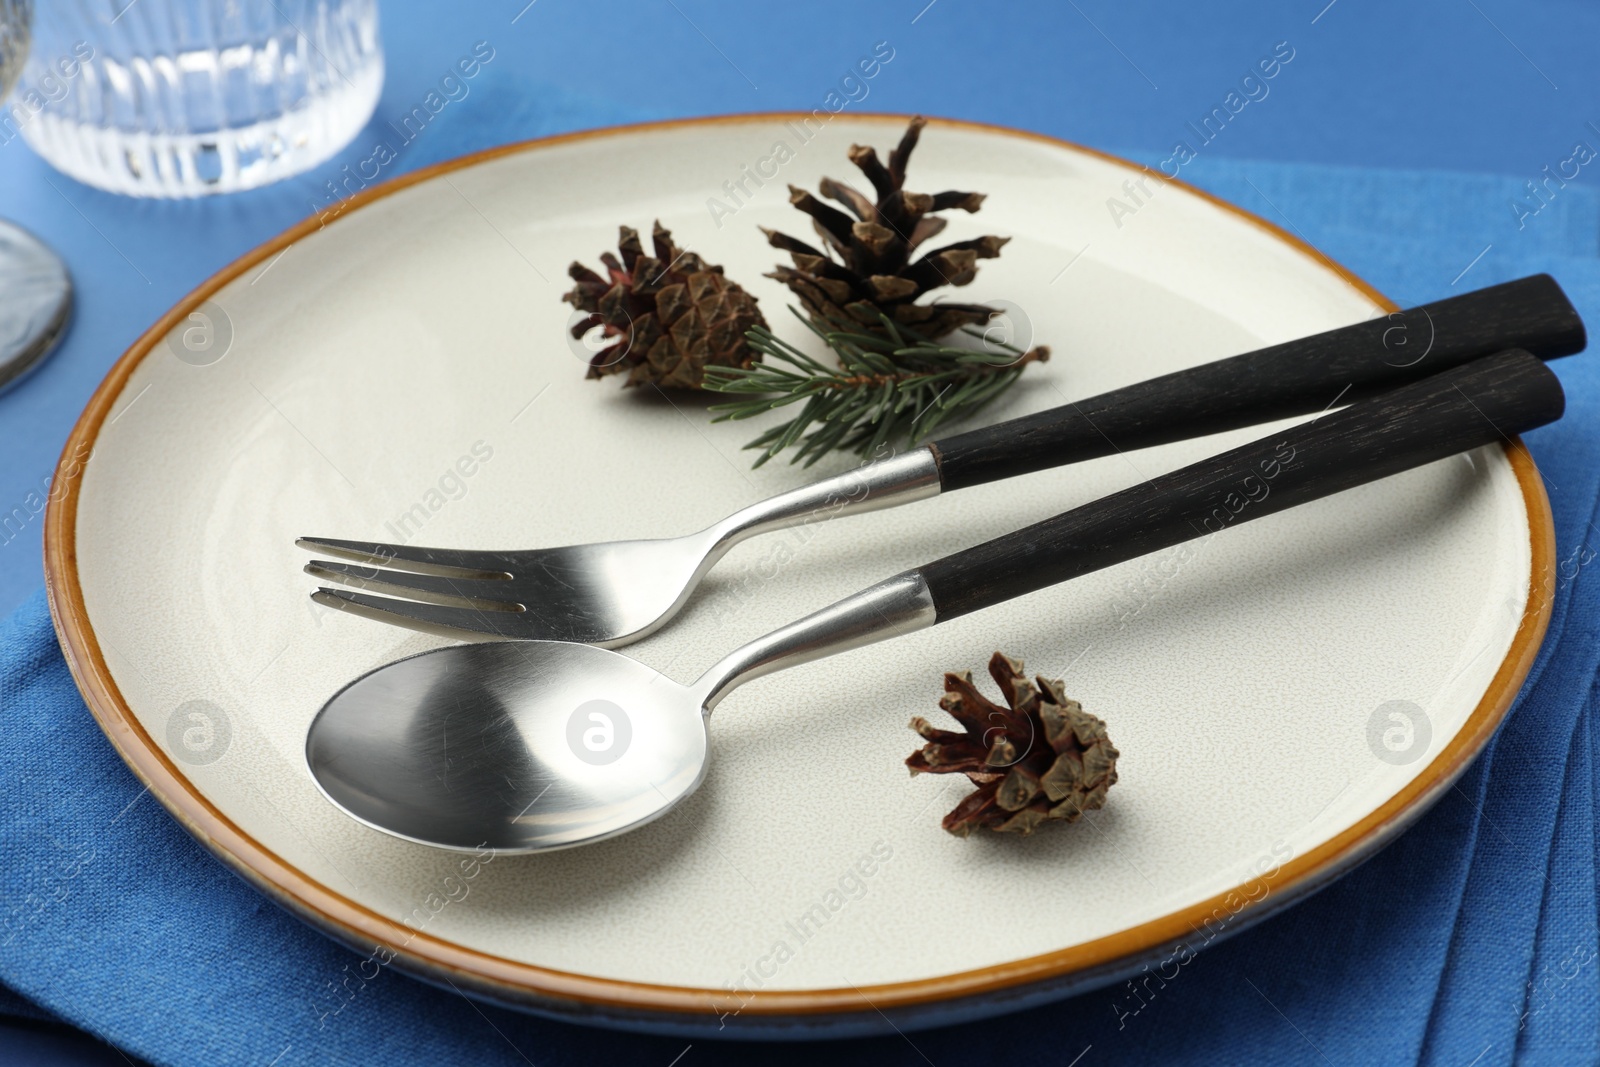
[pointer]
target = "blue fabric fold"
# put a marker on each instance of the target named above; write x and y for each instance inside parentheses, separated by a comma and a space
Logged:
(15, 1006)
(1561, 1002)
(1473, 935)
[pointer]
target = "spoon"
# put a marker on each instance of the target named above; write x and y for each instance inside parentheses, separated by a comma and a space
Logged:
(527, 746)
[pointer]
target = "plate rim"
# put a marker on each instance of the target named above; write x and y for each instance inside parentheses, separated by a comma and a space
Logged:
(620, 1001)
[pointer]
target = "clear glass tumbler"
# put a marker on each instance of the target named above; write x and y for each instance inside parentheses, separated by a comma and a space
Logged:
(178, 98)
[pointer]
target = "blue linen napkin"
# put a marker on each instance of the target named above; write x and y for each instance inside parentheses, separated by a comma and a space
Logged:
(1473, 935)
(1556, 1027)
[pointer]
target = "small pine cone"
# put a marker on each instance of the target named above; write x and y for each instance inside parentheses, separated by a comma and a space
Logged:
(864, 268)
(1041, 757)
(670, 315)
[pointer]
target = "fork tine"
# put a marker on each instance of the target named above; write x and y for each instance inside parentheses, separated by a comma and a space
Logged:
(448, 562)
(492, 594)
(437, 619)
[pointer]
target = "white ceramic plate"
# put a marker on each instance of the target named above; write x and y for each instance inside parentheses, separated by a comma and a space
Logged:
(357, 366)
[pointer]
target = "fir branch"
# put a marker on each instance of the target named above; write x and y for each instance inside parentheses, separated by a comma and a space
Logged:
(897, 387)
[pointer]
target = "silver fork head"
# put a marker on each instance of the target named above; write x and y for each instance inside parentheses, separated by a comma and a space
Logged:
(602, 594)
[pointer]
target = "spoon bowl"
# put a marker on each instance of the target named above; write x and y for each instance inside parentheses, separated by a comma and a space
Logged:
(518, 746)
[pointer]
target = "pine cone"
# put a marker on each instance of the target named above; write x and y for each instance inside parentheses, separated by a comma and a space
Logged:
(1043, 757)
(873, 273)
(672, 314)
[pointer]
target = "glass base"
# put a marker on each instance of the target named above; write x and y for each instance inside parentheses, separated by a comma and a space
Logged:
(220, 161)
(35, 302)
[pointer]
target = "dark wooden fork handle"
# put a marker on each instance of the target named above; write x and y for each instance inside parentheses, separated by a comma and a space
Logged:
(1477, 404)
(1294, 378)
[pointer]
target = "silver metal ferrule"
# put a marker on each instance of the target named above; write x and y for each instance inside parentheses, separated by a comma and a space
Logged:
(894, 606)
(885, 483)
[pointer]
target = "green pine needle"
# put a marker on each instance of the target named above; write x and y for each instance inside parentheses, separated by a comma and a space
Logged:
(895, 388)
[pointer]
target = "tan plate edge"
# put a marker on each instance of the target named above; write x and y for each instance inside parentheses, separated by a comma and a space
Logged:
(509, 980)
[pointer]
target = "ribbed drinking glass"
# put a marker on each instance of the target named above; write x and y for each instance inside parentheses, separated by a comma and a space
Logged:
(178, 98)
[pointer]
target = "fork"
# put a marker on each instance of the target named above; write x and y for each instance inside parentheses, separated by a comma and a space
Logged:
(615, 592)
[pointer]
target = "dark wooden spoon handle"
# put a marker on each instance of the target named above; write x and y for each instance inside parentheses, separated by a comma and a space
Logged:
(1294, 378)
(1482, 402)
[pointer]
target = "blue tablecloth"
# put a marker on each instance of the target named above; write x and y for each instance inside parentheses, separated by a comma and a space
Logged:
(1472, 940)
